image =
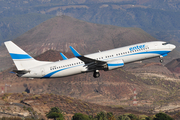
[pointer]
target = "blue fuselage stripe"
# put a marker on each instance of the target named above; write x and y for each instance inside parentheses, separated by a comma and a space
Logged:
(149, 52)
(54, 72)
(20, 56)
(116, 64)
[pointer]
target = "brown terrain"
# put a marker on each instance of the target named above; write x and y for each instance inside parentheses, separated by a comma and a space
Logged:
(174, 66)
(114, 88)
(157, 88)
(37, 105)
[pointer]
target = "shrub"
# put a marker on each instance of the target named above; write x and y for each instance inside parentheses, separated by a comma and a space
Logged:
(80, 116)
(162, 116)
(123, 117)
(55, 113)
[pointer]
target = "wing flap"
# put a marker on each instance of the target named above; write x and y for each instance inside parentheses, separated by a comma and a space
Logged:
(89, 62)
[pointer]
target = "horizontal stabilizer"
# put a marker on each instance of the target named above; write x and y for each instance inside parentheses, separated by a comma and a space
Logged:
(21, 71)
(63, 56)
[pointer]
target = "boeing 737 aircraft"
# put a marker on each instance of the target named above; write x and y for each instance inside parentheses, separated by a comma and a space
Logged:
(27, 66)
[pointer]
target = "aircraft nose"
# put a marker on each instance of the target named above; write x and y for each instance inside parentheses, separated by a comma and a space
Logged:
(172, 46)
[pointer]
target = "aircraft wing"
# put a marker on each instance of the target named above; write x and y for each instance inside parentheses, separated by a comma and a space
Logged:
(87, 60)
(91, 63)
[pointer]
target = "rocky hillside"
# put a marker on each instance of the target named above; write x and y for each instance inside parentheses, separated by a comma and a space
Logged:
(155, 17)
(114, 88)
(174, 65)
(37, 105)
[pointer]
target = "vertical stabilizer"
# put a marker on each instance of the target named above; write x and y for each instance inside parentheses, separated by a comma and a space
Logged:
(22, 60)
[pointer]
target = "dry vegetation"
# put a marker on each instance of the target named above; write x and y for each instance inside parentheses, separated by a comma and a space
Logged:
(37, 105)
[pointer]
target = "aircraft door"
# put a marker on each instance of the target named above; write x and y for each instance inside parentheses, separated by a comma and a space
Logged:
(42, 72)
(156, 46)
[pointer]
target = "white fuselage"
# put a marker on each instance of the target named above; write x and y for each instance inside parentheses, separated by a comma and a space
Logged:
(127, 54)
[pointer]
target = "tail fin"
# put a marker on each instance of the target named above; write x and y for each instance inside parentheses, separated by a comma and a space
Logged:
(22, 60)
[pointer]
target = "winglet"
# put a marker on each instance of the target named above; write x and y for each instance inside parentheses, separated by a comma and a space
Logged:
(76, 54)
(63, 56)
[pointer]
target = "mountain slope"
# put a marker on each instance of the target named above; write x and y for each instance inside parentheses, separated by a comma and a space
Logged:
(40, 105)
(114, 88)
(160, 18)
(174, 65)
(60, 32)
(12, 27)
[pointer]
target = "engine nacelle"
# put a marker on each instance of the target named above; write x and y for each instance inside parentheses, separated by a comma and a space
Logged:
(114, 64)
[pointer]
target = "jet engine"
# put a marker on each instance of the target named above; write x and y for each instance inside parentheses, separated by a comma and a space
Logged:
(114, 64)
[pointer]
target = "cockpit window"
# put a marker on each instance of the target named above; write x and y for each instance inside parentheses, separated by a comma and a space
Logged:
(165, 43)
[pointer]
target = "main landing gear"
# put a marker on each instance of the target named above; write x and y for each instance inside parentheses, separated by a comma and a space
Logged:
(161, 59)
(96, 74)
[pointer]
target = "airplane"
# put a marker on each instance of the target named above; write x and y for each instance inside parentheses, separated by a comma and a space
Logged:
(107, 60)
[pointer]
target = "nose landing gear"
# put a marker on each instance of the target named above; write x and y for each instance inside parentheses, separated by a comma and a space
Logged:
(96, 74)
(161, 59)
